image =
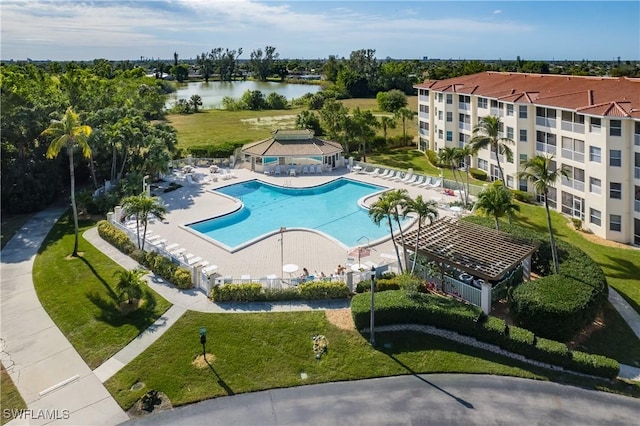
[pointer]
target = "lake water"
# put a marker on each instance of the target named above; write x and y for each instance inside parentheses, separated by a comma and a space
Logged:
(213, 92)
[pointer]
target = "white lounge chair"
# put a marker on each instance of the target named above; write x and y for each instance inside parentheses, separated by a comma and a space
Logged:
(373, 172)
(319, 169)
(407, 177)
(426, 183)
(193, 261)
(412, 180)
(436, 184)
(419, 181)
(277, 170)
(178, 252)
(397, 176)
(385, 173)
(210, 269)
(305, 170)
(394, 175)
(171, 247)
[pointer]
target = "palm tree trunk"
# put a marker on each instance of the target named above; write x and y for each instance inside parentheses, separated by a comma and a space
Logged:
(499, 166)
(554, 253)
(113, 163)
(415, 253)
(144, 235)
(497, 223)
(466, 194)
(395, 246)
(404, 249)
(138, 228)
(74, 209)
(93, 170)
(124, 161)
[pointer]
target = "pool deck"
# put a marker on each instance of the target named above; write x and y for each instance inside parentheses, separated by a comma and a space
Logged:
(194, 202)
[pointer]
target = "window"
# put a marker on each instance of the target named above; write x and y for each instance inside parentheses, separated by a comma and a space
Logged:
(572, 205)
(615, 158)
(546, 117)
(440, 134)
(573, 149)
(449, 136)
(509, 181)
(483, 164)
(572, 122)
(615, 128)
(449, 116)
(595, 154)
(615, 190)
(545, 143)
(522, 185)
(439, 97)
(574, 178)
(462, 140)
(424, 92)
(615, 222)
(440, 115)
(594, 125)
(424, 125)
(509, 110)
(523, 135)
(595, 216)
(424, 108)
(464, 121)
(522, 111)
(449, 98)
(464, 102)
(482, 103)
(510, 132)
(594, 185)
(523, 158)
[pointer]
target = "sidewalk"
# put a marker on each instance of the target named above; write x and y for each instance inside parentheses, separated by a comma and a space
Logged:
(47, 371)
(632, 318)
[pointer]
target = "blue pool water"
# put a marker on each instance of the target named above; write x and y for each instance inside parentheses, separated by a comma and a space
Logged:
(331, 208)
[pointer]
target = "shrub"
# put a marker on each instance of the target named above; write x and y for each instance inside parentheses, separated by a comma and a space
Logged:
(519, 340)
(550, 351)
(596, 365)
(318, 290)
(478, 174)
(491, 330)
(115, 237)
(182, 278)
(433, 158)
(577, 223)
(381, 284)
(237, 293)
(523, 196)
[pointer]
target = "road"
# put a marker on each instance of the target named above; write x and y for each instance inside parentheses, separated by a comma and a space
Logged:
(437, 399)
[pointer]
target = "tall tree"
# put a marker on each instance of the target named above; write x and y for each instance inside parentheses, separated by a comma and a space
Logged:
(385, 208)
(196, 101)
(405, 114)
(69, 133)
(364, 125)
(387, 123)
(487, 133)
(497, 201)
(262, 62)
(143, 208)
(540, 172)
(463, 155)
(333, 115)
(449, 156)
(426, 210)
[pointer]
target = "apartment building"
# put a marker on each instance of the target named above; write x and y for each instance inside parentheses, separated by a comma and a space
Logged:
(591, 125)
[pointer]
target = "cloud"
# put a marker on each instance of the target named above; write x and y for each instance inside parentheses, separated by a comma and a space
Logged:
(497, 12)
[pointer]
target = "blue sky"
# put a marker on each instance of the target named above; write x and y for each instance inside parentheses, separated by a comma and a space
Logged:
(85, 30)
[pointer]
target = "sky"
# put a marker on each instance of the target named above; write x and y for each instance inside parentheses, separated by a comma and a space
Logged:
(116, 30)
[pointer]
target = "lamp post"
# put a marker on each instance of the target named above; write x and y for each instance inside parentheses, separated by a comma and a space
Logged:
(203, 341)
(282, 229)
(144, 185)
(372, 338)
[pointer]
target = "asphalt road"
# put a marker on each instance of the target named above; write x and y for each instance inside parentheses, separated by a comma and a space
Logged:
(437, 399)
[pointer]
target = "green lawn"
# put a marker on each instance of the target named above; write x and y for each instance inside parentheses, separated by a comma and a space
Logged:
(9, 395)
(213, 127)
(10, 225)
(271, 350)
(79, 295)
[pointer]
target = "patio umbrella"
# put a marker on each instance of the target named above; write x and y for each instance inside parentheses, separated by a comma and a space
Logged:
(360, 252)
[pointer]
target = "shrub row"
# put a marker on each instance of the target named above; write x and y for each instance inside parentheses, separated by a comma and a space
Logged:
(215, 151)
(478, 174)
(398, 307)
(253, 292)
(556, 306)
(160, 265)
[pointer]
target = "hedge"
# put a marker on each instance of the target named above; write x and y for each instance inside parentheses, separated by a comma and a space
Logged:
(398, 307)
(159, 265)
(478, 174)
(253, 292)
(215, 151)
(555, 306)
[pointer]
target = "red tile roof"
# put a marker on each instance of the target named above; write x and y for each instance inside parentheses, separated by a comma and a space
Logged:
(607, 96)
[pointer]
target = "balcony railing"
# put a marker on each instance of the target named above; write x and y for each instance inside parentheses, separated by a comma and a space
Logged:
(636, 140)
(636, 206)
(464, 106)
(424, 115)
(497, 112)
(546, 122)
(572, 127)
(636, 172)
(464, 126)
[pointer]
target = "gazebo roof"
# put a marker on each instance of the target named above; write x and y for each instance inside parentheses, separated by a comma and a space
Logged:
(292, 143)
(475, 249)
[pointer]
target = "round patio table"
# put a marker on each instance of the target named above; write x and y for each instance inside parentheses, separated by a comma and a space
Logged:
(290, 268)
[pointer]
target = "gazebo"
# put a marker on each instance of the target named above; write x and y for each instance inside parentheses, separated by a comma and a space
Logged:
(478, 254)
(293, 148)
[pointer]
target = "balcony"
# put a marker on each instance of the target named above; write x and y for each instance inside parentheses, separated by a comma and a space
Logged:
(636, 172)
(463, 106)
(497, 112)
(572, 127)
(573, 183)
(636, 206)
(546, 122)
(636, 139)
(464, 126)
(424, 115)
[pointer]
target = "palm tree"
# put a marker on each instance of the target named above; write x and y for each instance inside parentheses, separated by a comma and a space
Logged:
(387, 123)
(425, 210)
(387, 207)
(497, 201)
(130, 284)
(538, 171)
(464, 154)
(69, 133)
(143, 206)
(488, 131)
(196, 101)
(449, 155)
(405, 114)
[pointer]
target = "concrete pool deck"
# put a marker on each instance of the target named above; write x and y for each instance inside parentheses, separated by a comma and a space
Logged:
(194, 202)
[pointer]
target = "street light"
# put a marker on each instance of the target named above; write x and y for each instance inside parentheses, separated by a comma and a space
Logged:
(372, 338)
(144, 185)
(203, 341)
(282, 229)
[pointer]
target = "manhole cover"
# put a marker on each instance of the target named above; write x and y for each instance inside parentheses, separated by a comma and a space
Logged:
(137, 386)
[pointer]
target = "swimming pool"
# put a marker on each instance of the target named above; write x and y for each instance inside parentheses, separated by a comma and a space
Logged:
(331, 209)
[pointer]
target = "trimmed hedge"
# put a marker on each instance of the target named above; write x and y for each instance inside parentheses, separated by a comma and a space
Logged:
(555, 306)
(253, 292)
(215, 151)
(478, 174)
(398, 307)
(159, 265)
(524, 196)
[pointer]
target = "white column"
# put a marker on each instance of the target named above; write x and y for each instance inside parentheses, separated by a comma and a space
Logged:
(485, 298)
(526, 269)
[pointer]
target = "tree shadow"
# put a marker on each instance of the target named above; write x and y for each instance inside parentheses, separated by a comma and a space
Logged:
(221, 382)
(141, 318)
(110, 291)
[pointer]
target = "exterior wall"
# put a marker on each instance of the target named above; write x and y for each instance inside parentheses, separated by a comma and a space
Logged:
(580, 197)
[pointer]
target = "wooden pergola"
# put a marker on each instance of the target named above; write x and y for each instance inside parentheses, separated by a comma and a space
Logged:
(475, 249)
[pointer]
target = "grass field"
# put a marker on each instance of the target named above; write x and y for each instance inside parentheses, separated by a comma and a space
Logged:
(79, 295)
(251, 352)
(10, 225)
(9, 395)
(213, 127)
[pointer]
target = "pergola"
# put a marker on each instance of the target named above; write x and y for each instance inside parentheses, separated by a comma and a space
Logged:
(292, 147)
(475, 249)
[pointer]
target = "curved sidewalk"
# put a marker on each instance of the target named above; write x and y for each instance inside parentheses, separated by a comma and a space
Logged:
(47, 371)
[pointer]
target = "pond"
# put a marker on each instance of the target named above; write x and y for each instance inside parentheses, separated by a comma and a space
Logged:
(213, 92)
